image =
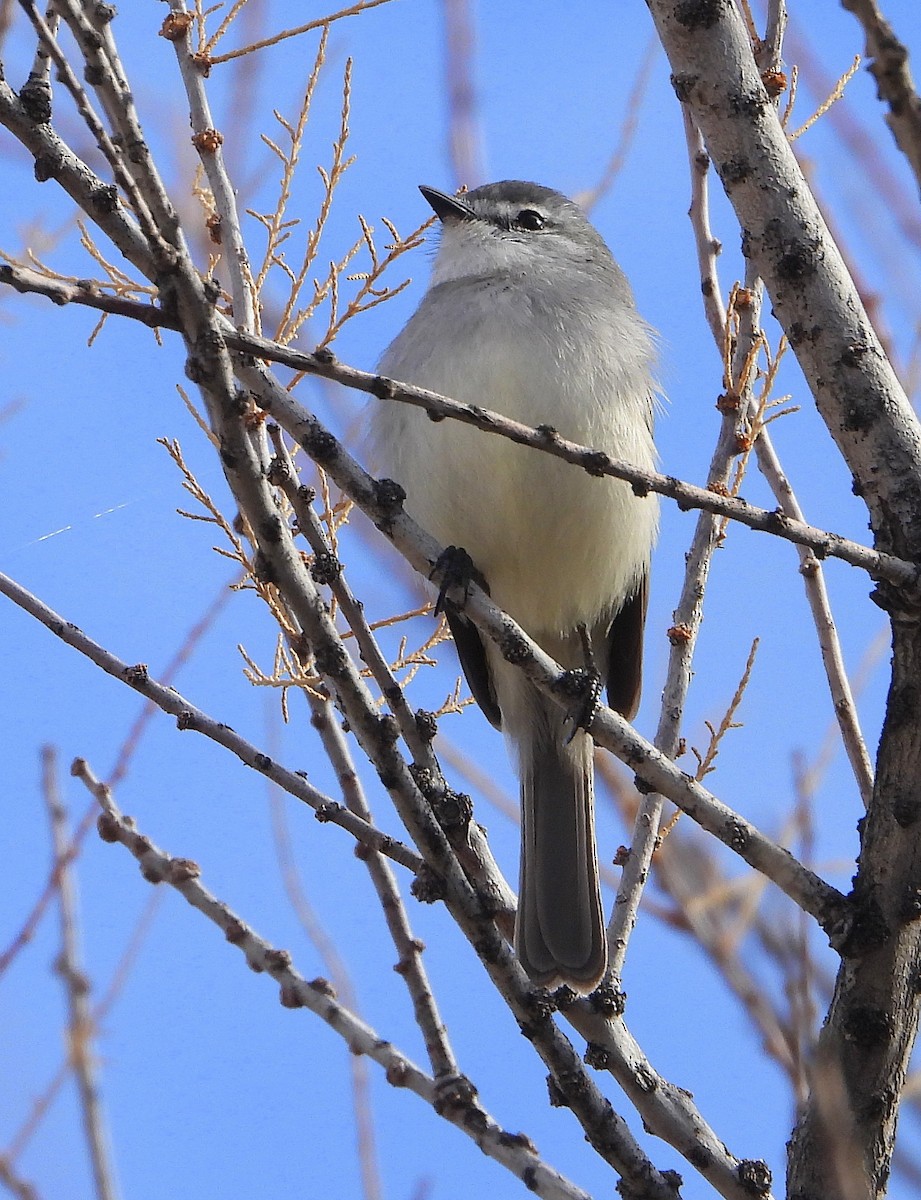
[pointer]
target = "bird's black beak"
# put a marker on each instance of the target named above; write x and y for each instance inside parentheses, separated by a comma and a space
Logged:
(447, 208)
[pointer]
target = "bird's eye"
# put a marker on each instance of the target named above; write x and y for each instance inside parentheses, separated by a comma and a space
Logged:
(530, 218)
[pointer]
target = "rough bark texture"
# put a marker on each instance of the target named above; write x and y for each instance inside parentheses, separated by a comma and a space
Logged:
(873, 1019)
(784, 235)
(843, 1143)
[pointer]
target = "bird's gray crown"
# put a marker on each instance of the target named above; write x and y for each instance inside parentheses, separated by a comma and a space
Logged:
(521, 228)
(517, 206)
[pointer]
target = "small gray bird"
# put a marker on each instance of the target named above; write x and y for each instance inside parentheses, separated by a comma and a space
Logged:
(528, 314)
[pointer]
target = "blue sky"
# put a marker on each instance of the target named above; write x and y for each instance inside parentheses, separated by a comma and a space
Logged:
(210, 1085)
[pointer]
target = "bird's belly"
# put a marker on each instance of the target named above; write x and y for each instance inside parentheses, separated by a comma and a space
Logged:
(556, 546)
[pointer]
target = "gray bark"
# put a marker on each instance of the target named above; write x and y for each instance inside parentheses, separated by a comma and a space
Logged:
(843, 1142)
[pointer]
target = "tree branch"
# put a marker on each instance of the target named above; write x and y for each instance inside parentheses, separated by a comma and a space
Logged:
(872, 1023)
(190, 717)
(785, 237)
(461, 1108)
(824, 543)
(81, 1027)
(890, 69)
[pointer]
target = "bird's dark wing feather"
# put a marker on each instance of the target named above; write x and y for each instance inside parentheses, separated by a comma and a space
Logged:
(625, 653)
(472, 655)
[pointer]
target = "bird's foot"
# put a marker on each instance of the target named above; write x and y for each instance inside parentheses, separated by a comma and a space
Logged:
(456, 570)
(582, 688)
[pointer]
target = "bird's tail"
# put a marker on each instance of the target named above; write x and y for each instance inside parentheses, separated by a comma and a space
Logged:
(559, 932)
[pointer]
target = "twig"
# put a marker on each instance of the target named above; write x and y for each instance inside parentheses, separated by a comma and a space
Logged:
(769, 52)
(47, 33)
(462, 1110)
(27, 929)
(276, 225)
(861, 144)
(37, 87)
(15, 1183)
(354, 10)
(80, 1026)
(708, 247)
(465, 138)
(801, 985)
(469, 843)
(335, 967)
(190, 717)
(207, 140)
(43, 1102)
(829, 643)
(691, 875)
(669, 1111)
(810, 773)
(706, 760)
(689, 611)
(588, 199)
(409, 948)
(832, 98)
(810, 566)
(890, 68)
(92, 29)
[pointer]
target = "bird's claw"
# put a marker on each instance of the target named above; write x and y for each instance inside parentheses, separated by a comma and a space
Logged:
(582, 689)
(457, 571)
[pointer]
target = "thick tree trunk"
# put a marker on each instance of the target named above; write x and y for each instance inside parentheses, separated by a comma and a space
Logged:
(843, 1143)
(871, 1025)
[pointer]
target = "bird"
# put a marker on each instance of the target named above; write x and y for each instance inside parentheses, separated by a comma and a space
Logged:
(527, 313)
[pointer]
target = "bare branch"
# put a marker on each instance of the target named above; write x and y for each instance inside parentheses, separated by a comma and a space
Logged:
(411, 967)
(335, 967)
(464, 132)
(55, 160)
(824, 543)
(708, 246)
(417, 732)
(27, 930)
(891, 70)
(810, 566)
(785, 238)
(864, 407)
(190, 717)
(207, 141)
(686, 621)
(14, 1182)
(456, 1105)
(81, 1026)
(829, 643)
(352, 11)
(667, 1110)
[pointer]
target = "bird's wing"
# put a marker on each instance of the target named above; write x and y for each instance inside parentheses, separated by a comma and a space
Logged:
(472, 655)
(625, 653)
